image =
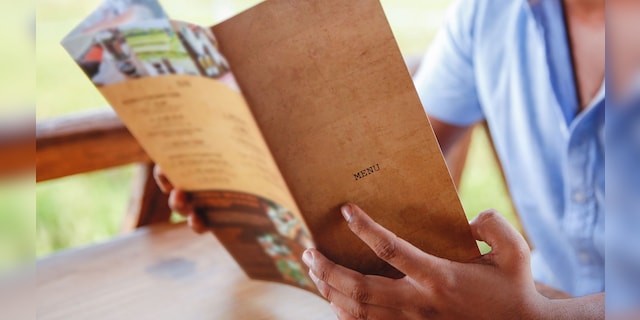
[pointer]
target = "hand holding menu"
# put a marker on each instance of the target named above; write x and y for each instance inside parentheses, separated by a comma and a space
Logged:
(324, 112)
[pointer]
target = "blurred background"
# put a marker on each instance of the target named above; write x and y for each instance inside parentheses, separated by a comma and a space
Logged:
(17, 101)
(89, 208)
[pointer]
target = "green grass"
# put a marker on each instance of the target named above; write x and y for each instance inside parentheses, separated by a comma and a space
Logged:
(83, 209)
(17, 221)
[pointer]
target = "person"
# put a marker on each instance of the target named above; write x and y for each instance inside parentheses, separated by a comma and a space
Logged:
(534, 70)
(623, 151)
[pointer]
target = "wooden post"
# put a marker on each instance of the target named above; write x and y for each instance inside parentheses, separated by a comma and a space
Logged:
(147, 204)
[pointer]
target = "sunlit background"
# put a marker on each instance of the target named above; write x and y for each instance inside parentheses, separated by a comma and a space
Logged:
(17, 98)
(88, 208)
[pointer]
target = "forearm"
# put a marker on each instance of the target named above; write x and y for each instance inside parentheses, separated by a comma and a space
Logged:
(448, 135)
(550, 292)
(584, 308)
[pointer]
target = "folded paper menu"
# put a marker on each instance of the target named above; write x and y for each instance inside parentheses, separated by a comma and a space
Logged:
(273, 119)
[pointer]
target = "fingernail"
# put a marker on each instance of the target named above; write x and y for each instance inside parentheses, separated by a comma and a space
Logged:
(307, 258)
(346, 212)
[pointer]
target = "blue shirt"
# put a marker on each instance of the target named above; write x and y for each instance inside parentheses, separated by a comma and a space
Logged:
(509, 63)
(623, 204)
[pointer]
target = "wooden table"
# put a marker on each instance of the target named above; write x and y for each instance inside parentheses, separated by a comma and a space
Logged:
(162, 272)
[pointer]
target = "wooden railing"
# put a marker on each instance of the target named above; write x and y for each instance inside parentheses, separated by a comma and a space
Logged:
(97, 140)
(17, 145)
(84, 142)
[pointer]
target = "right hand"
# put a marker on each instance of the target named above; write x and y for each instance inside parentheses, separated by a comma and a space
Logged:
(179, 201)
(497, 285)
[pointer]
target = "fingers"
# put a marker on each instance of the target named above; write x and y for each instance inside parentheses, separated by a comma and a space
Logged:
(179, 202)
(195, 222)
(386, 245)
(340, 314)
(346, 308)
(332, 279)
(508, 247)
(161, 180)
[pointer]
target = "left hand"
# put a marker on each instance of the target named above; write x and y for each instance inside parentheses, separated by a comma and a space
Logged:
(179, 201)
(498, 285)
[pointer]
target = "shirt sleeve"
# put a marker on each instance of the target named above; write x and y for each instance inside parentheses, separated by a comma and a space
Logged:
(445, 81)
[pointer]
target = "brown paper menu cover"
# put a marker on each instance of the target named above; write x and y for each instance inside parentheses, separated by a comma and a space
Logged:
(329, 90)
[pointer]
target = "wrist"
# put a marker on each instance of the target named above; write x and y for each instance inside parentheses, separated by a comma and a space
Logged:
(539, 307)
(589, 307)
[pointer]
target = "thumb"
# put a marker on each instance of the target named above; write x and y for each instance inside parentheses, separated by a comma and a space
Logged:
(161, 180)
(509, 250)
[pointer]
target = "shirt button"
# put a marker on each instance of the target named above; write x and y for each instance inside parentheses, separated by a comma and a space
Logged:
(579, 197)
